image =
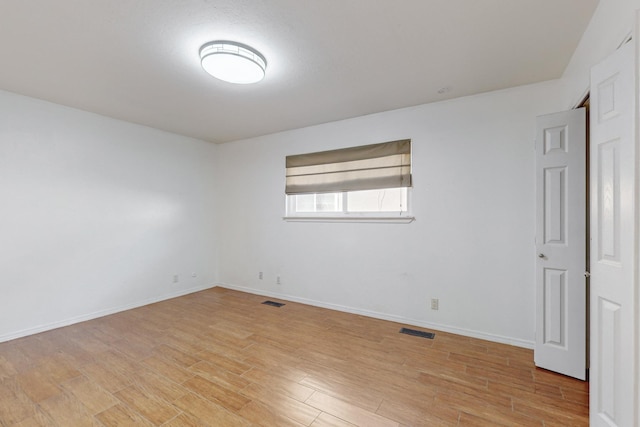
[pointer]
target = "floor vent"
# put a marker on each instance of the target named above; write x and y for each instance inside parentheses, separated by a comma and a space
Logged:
(416, 333)
(273, 303)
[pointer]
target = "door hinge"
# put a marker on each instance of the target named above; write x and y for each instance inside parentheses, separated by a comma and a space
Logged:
(587, 274)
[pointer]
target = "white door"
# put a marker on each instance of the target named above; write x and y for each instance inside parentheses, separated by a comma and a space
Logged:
(561, 304)
(613, 238)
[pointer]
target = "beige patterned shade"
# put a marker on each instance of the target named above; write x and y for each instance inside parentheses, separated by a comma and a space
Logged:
(368, 167)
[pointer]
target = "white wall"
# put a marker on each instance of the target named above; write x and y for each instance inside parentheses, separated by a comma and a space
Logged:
(611, 24)
(471, 246)
(97, 215)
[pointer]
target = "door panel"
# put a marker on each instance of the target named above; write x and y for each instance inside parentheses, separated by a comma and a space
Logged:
(555, 307)
(555, 181)
(608, 202)
(561, 243)
(614, 235)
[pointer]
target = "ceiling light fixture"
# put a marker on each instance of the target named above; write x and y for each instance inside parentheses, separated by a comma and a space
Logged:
(233, 62)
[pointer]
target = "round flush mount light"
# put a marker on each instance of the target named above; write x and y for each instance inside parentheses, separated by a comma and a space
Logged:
(233, 62)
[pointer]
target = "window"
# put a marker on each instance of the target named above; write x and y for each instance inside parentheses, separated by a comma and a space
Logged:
(370, 181)
(385, 200)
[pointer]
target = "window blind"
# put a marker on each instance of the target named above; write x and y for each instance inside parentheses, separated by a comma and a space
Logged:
(367, 167)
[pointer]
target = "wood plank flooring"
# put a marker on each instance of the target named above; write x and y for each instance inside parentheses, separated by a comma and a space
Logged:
(221, 358)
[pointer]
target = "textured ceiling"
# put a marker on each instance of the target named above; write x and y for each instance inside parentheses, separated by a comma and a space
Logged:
(327, 59)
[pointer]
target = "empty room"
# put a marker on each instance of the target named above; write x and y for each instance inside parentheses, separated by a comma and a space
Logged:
(319, 213)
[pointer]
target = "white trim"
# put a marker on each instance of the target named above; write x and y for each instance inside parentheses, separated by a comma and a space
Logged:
(101, 313)
(385, 219)
(393, 318)
(376, 315)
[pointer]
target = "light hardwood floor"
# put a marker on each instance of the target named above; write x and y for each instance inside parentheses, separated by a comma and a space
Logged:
(221, 358)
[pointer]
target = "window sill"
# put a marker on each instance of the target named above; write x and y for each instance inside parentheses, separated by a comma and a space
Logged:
(373, 219)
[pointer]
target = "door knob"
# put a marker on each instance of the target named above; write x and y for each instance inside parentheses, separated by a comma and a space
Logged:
(540, 255)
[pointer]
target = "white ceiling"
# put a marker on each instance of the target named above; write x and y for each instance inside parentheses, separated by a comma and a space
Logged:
(327, 59)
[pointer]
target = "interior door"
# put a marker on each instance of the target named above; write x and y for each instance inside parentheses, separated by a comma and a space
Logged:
(561, 305)
(613, 238)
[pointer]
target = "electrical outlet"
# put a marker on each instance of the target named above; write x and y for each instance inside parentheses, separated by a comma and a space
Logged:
(435, 303)
(176, 278)
(260, 275)
(278, 280)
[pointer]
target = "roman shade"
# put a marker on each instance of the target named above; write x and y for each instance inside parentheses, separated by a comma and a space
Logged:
(368, 167)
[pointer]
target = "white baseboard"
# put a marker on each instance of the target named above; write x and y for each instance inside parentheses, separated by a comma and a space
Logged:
(393, 318)
(101, 313)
